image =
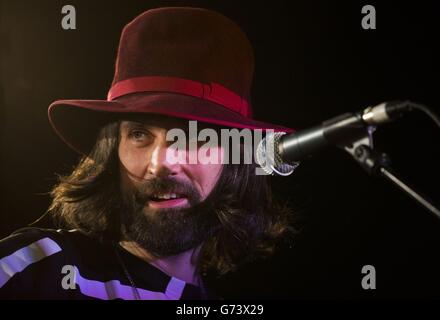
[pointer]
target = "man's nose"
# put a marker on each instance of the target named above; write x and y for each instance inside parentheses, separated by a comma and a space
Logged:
(161, 164)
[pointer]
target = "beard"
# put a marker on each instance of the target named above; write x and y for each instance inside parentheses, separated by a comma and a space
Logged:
(167, 231)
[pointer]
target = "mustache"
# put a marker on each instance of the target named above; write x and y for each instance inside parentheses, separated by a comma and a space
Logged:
(160, 185)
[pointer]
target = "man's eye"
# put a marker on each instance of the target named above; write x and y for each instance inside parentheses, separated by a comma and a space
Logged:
(138, 135)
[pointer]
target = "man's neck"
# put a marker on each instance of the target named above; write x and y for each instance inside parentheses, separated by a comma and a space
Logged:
(181, 266)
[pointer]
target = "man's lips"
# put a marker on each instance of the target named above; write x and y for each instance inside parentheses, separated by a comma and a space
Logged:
(167, 200)
(167, 203)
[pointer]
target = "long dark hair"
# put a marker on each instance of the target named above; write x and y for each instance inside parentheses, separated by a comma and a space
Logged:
(252, 222)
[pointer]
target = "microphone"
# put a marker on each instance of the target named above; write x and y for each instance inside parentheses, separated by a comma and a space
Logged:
(280, 153)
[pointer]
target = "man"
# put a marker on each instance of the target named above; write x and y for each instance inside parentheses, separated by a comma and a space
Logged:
(136, 225)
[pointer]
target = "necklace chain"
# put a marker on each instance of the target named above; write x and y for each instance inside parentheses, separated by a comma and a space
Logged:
(133, 285)
(127, 275)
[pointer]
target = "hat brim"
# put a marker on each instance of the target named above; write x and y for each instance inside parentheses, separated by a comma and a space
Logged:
(77, 122)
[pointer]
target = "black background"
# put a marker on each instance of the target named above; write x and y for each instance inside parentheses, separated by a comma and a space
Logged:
(313, 62)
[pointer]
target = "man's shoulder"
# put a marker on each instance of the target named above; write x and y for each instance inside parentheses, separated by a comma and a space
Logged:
(47, 241)
(32, 260)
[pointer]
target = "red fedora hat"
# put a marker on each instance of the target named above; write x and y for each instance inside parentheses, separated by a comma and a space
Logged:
(183, 62)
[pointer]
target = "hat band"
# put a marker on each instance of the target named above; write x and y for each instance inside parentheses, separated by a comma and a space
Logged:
(208, 91)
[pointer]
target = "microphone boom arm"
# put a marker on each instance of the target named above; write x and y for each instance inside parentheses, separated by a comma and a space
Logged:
(378, 164)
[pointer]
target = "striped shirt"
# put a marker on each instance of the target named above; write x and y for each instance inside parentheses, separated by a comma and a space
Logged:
(59, 264)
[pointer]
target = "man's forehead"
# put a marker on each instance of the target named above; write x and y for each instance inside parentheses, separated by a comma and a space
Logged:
(161, 121)
(154, 120)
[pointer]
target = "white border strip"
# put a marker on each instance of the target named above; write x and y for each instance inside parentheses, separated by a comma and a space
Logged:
(24, 257)
(113, 289)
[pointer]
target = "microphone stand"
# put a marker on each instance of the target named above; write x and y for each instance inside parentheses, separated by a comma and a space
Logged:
(378, 164)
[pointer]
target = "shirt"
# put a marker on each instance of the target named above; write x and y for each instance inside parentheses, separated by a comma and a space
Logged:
(40, 263)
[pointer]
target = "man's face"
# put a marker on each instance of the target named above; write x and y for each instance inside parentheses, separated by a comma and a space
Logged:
(163, 198)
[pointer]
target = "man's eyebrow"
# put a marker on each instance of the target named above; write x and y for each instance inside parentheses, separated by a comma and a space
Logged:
(136, 124)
